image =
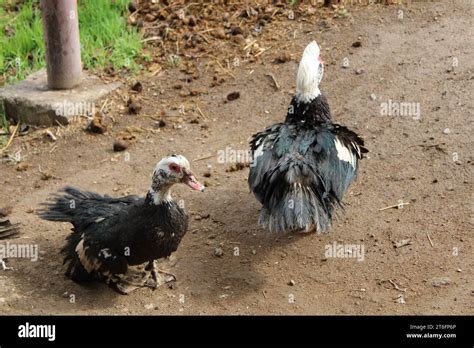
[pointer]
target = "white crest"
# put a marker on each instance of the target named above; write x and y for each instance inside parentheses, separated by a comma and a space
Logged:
(310, 74)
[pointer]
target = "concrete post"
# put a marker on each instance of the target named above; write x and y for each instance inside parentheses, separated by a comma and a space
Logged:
(63, 48)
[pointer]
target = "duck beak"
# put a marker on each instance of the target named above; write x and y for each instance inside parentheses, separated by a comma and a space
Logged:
(191, 181)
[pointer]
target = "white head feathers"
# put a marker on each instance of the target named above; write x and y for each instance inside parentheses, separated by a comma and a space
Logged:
(165, 162)
(169, 171)
(310, 74)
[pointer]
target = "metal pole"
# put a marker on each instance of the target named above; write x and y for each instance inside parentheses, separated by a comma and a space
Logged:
(63, 48)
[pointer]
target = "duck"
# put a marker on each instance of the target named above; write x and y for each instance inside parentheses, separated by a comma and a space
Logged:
(110, 234)
(301, 168)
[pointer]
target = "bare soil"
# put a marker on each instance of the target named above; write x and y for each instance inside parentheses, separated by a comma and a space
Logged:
(417, 161)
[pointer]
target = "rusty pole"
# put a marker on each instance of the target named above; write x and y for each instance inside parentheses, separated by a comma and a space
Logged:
(63, 48)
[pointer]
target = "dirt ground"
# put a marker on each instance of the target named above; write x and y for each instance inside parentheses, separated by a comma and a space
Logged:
(407, 59)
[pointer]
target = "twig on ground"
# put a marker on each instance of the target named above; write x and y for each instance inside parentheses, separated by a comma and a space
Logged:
(203, 158)
(429, 238)
(395, 206)
(275, 83)
(11, 138)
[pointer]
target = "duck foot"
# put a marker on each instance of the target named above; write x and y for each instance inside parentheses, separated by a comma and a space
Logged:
(151, 278)
(158, 277)
(129, 282)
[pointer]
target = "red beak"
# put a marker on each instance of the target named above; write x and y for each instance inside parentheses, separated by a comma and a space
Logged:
(191, 181)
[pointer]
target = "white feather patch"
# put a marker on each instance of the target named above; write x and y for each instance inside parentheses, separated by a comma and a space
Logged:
(344, 154)
(259, 150)
(89, 265)
(160, 197)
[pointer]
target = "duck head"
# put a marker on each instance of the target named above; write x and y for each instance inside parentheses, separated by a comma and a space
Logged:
(171, 170)
(310, 74)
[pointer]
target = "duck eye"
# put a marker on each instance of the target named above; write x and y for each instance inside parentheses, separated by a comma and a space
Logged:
(174, 167)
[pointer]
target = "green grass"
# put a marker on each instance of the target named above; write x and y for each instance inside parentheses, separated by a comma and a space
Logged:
(106, 40)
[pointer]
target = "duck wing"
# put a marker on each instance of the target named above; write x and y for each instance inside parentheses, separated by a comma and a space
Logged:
(82, 208)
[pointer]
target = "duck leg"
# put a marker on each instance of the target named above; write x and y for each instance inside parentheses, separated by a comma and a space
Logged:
(158, 277)
(151, 277)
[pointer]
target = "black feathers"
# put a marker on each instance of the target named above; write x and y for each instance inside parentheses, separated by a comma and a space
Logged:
(302, 168)
(314, 112)
(111, 234)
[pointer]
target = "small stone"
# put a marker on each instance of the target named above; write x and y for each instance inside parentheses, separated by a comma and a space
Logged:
(233, 96)
(373, 96)
(356, 44)
(401, 299)
(24, 128)
(219, 33)
(160, 124)
(137, 87)
(359, 71)
(5, 211)
(207, 174)
(291, 282)
(134, 108)
(120, 145)
(238, 39)
(195, 92)
(236, 31)
(402, 243)
(192, 21)
(97, 125)
(218, 252)
(446, 131)
(49, 135)
(440, 282)
(22, 166)
(149, 17)
(283, 58)
(132, 6)
(149, 306)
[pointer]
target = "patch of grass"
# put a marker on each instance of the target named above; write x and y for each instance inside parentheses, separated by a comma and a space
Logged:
(106, 40)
